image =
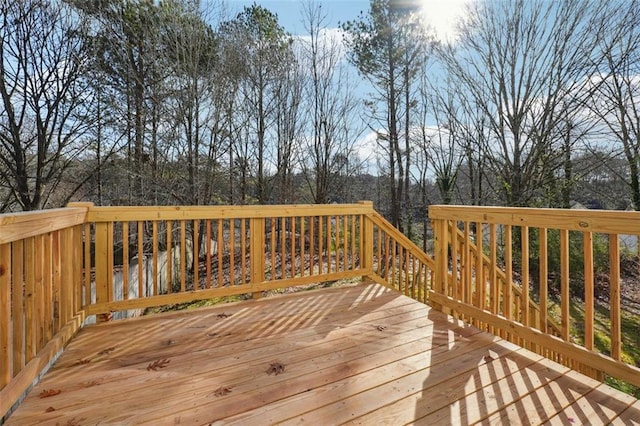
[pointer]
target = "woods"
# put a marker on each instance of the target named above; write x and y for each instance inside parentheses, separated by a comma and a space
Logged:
(181, 102)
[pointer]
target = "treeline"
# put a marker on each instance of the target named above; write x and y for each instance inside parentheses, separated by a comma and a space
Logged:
(535, 103)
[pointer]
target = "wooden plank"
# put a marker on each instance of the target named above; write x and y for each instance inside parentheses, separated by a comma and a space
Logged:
(592, 359)
(367, 394)
(17, 226)
(262, 388)
(144, 213)
(183, 256)
(166, 299)
(5, 314)
(599, 406)
(382, 301)
(337, 361)
(490, 396)
(545, 401)
(629, 417)
(603, 221)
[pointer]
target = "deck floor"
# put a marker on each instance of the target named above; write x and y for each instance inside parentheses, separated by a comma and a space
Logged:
(359, 355)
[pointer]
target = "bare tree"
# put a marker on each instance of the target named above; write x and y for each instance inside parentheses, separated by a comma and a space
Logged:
(616, 100)
(42, 58)
(387, 45)
(331, 109)
(526, 66)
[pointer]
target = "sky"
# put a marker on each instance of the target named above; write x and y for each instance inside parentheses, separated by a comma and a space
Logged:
(441, 14)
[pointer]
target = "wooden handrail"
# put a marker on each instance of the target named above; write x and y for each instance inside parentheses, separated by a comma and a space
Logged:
(496, 316)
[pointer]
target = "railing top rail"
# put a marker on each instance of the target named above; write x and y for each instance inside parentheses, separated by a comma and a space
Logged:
(605, 221)
(16, 226)
(131, 213)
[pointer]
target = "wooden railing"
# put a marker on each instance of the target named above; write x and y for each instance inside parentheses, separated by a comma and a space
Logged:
(63, 267)
(468, 286)
(41, 303)
(238, 250)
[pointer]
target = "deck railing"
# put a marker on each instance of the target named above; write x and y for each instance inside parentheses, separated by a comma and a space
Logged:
(61, 267)
(516, 242)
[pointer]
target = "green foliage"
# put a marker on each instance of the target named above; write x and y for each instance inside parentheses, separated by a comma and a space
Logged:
(576, 257)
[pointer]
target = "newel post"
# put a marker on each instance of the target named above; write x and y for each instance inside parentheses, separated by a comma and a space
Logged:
(366, 240)
(256, 254)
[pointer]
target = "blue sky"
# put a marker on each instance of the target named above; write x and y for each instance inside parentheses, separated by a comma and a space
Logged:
(289, 11)
(441, 14)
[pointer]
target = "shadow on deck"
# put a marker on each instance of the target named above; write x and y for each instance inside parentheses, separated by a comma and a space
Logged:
(362, 354)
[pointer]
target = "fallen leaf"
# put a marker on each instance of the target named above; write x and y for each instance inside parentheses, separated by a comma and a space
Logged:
(160, 363)
(275, 368)
(51, 392)
(222, 391)
(380, 327)
(223, 315)
(49, 409)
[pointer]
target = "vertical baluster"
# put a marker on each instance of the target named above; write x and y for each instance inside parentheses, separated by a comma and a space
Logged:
(154, 256)
(587, 238)
(525, 275)
(564, 283)
(614, 296)
(208, 254)
(196, 253)
(170, 254)
(125, 260)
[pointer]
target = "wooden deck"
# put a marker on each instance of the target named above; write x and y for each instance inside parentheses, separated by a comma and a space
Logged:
(359, 355)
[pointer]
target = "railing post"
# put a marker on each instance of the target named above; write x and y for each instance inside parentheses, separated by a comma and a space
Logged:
(103, 270)
(256, 254)
(366, 241)
(441, 259)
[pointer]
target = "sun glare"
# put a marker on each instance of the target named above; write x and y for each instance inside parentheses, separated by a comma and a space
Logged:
(442, 16)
